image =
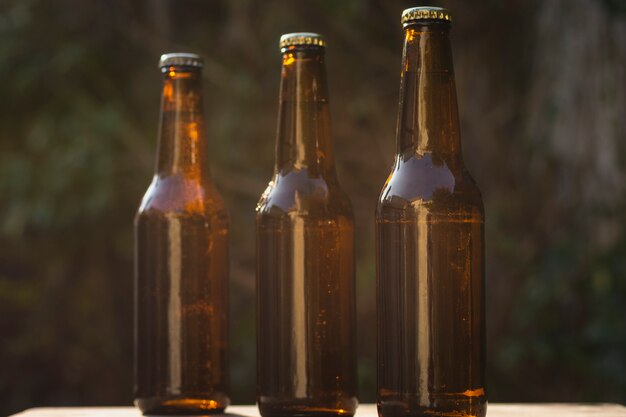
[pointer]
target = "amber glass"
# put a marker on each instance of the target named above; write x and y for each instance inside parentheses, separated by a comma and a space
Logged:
(306, 352)
(429, 238)
(181, 281)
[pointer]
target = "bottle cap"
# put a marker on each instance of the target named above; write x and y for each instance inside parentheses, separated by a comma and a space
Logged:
(415, 14)
(182, 59)
(301, 39)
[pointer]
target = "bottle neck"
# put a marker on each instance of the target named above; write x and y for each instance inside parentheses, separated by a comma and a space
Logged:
(303, 138)
(428, 120)
(182, 142)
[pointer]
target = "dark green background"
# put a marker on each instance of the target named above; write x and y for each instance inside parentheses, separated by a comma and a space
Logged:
(542, 88)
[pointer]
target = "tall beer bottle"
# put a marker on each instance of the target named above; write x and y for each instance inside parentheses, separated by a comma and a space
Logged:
(306, 349)
(429, 238)
(181, 257)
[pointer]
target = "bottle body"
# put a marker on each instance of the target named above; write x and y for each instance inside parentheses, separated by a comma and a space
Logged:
(181, 261)
(430, 300)
(306, 301)
(430, 248)
(182, 305)
(306, 340)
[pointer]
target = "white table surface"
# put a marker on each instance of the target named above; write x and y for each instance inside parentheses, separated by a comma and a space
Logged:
(364, 410)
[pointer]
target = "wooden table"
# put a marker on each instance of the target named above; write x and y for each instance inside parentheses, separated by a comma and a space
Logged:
(365, 410)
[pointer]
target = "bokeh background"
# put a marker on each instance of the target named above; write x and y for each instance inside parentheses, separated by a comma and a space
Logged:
(542, 97)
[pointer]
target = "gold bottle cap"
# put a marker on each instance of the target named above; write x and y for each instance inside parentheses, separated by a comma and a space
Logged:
(182, 59)
(301, 39)
(415, 14)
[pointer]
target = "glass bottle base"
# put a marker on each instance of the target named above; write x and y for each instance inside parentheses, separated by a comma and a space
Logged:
(182, 405)
(442, 408)
(281, 408)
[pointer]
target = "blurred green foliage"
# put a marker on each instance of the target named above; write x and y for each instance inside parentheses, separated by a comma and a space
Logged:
(541, 95)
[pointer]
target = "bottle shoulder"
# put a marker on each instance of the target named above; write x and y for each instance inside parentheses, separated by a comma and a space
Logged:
(300, 192)
(174, 195)
(425, 184)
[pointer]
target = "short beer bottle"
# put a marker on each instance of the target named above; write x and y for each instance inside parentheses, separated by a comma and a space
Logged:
(306, 348)
(181, 259)
(429, 239)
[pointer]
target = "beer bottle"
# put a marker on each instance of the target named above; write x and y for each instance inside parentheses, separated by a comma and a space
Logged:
(181, 260)
(429, 239)
(306, 349)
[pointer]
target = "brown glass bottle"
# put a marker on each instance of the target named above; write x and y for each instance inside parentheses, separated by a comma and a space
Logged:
(306, 348)
(429, 238)
(181, 256)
